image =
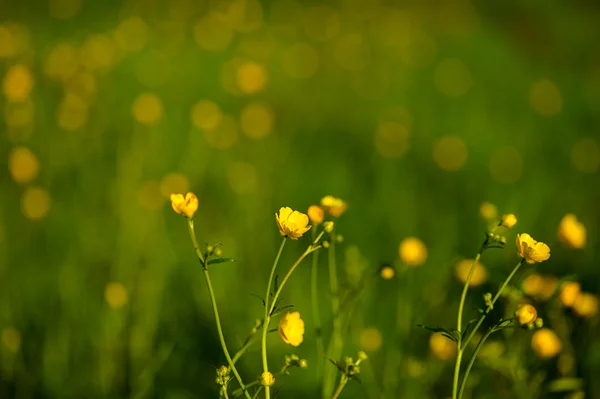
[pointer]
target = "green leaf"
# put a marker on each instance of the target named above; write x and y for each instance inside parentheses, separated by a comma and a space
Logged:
(339, 366)
(565, 384)
(450, 334)
(219, 260)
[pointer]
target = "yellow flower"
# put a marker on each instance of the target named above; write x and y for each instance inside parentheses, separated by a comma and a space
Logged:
(569, 293)
(545, 343)
(267, 379)
(571, 232)
(291, 328)
(488, 211)
(442, 347)
(315, 214)
(186, 206)
(533, 284)
(586, 305)
(334, 206)
(526, 314)
(412, 251)
(387, 272)
(509, 220)
(479, 275)
(292, 223)
(531, 250)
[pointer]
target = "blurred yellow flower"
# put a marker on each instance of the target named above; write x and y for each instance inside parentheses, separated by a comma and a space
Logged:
(17, 83)
(479, 275)
(412, 251)
(488, 211)
(387, 272)
(509, 220)
(115, 295)
(267, 379)
(328, 227)
(23, 165)
(569, 292)
(442, 347)
(334, 206)
(186, 206)
(531, 250)
(315, 214)
(545, 343)
(586, 305)
(571, 232)
(370, 339)
(292, 223)
(526, 314)
(533, 284)
(11, 338)
(291, 328)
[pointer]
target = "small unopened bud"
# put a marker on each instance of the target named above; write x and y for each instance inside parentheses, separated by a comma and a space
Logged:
(387, 272)
(348, 360)
(339, 238)
(315, 214)
(302, 363)
(509, 220)
(210, 249)
(526, 314)
(218, 252)
(325, 244)
(328, 226)
(362, 356)
(539, 322)
(223, 370)
(267, 379)
(502, 240)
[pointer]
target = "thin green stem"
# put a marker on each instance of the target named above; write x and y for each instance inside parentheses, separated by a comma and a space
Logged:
(340, 387)
(242, 350)
(314, 294)
(472, 361)
(268, 314)
(287, 277)
(215, 309)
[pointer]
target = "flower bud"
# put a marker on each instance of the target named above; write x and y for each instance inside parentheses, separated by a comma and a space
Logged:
(267, 379)
(509, 220)
(315, 214)
(526, 314)
(185, 205)
(302, 363)
(328, 226)
(362, 356)
(387, 272)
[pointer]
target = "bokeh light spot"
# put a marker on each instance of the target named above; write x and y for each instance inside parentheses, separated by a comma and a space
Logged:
(450, 153)
(545, 98)
(147, 109)
(115, 295)
(506, 164)
(64, 9)
(224, 136)
(370, 339)
(351, 52)
(132, 34)
(257, 120)
(174, 183)
(62, 62)
(452, 77)
(251, 77)
(213, 32)
(23, 165)
(11, 338)
(321, 23)
(392, 139)
(300, 61)
(98, 53)
(83, 85)
(72, 113)
(246, 15)
(150, 196)
(413, 251)
(35, 203)
(17, 83)
(242, 178)
(419, 50)
(18, 115)
(206, 115)
(585, 155)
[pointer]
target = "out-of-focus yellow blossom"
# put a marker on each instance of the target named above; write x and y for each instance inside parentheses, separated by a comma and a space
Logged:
(509, 220)
(549, 287)
(334, 206)
(23, 165)
(478, 277)
(387, 272)
(316, 214)
(442, 347)
(569, 292)
(115, 295)
(586, 305)
(370, 339)
(531, 250)
(291, 328)
(292, 223)
(412, 251)
(571, 232)
(328, 227)
(11, 338)
(545, 343)
(18, 83)
(488, 211)
(186, 206)
(533, 284)
(526, 314)
(267, 379)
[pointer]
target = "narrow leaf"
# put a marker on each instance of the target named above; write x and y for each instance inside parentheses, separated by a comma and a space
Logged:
(219, 260)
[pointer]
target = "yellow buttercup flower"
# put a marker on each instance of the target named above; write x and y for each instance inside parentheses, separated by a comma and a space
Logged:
(478, 277)
(442, 347)
(571, 232)
(586, 305)
(186, 206)
(509, 220)
(315, 214)
(545, 343)
(267, 379)
(412, 251)
(334, 206)
(531, 250)
(292, 223)
(488, 211)
(291, 328)
(569, 292)
(526, 314)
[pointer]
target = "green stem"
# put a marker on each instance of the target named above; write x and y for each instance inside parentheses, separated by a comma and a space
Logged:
(242, 350)
(238, 392)
(268, 315)
(215, 309)
(314, 294)
(471, 362)
(340, 387)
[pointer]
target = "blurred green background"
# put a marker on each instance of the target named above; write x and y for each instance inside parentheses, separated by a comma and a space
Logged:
(414, 112)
